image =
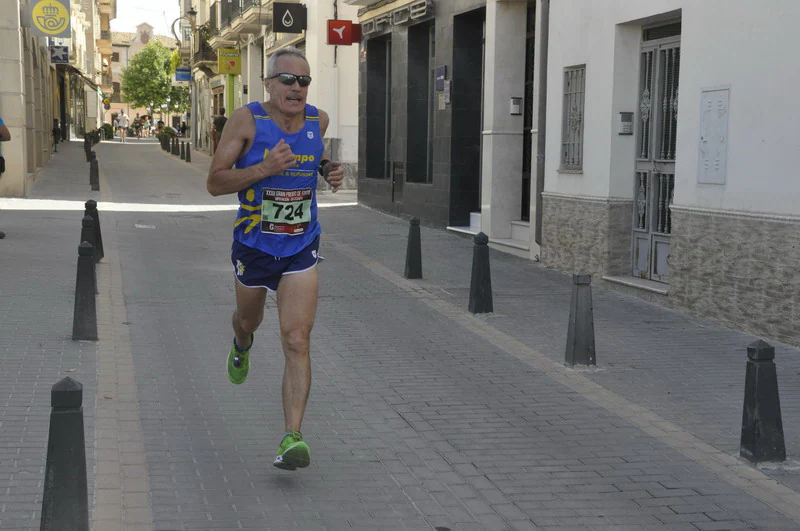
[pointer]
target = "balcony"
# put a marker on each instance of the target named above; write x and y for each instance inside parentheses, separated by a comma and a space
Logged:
(216, 40)
(228, 11)
(104, 43)
(252, 15)
(206, 57)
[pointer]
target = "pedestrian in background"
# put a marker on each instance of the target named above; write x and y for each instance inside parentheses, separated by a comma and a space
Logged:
(5, 136)
(217, 127)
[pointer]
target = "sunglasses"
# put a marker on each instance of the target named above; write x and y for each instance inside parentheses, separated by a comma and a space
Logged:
(289, 79)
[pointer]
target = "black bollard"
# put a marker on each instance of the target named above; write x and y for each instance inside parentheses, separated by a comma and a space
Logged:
(188, 152)
(87, 148)
(762, 427)
(65, 502)
(91, 210)
(183, 151)
(413, 251)
(94, 175)
(175, 146)
(580, 332)
(480, 289)
(84, 319)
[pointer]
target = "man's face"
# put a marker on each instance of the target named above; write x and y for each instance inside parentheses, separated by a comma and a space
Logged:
(290, 100)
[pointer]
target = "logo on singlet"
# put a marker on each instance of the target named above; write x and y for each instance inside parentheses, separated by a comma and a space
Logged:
(310, 134)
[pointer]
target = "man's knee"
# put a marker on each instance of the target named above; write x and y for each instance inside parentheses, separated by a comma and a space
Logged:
(296, 341)
(249, 323)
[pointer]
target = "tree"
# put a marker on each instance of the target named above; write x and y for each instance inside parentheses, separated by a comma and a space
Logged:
(147, 81)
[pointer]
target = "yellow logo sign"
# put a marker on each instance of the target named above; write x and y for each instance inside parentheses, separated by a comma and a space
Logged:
(106, 100)
(50, 17)
(229, 61)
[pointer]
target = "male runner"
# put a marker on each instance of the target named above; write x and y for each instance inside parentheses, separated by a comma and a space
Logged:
(277, 150)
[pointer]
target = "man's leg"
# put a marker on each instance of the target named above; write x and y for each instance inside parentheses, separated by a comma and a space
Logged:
(249, 312)
(297, 308)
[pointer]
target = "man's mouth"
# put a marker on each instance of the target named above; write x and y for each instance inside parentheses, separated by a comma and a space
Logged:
(294, 100)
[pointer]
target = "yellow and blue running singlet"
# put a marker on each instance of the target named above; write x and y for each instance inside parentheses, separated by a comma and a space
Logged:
(278, 214)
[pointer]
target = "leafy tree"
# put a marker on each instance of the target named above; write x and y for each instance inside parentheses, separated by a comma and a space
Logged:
(148, 80)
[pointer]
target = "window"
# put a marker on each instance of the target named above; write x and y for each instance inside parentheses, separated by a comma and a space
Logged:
(115, 57)
(115, 97)
(572, 124)
(419, 156)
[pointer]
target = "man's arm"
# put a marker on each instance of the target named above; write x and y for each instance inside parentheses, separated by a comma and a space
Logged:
(222, 177)
(5, 134)
(333, 173)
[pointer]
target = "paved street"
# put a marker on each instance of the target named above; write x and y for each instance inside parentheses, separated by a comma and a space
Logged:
(421, 415)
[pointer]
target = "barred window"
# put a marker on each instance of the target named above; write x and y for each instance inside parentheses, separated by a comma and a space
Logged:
(572, 126)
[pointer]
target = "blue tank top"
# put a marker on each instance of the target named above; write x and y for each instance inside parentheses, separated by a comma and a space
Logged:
(278, 214)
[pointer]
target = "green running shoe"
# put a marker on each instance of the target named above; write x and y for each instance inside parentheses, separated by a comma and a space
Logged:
(239, 363)
(293, 452)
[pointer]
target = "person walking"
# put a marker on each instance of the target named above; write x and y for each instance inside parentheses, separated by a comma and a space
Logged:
(123, 125)
(270, 156)
(5, 136)
(217, 126)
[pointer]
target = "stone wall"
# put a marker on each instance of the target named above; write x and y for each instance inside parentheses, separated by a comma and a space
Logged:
(590, 235)
(739, 270)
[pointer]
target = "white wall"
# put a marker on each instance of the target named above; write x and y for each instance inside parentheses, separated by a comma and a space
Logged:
(335, 86)
(748, 46)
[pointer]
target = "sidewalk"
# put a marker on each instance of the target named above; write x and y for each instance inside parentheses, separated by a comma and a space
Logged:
(421, 415)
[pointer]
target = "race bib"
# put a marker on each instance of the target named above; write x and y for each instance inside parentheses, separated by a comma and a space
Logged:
(285, 211)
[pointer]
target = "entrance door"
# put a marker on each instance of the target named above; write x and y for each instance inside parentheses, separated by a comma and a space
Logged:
(655, 155)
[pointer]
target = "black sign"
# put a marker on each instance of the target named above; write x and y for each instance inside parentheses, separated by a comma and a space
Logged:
(440, 74)
(288, 18)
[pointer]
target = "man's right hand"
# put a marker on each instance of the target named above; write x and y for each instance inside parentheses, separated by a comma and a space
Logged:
(278, 159)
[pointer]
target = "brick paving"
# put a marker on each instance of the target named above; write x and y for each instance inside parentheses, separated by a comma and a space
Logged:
(420, 416)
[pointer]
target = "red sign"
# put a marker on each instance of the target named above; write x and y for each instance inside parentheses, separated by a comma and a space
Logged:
(343, 32)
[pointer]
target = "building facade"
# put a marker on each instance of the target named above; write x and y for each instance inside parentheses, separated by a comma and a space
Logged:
(246, 27)
(125, 46)
(635, 141)
(43, 89)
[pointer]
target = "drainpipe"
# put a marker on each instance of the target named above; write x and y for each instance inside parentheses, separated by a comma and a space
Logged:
(544, 11)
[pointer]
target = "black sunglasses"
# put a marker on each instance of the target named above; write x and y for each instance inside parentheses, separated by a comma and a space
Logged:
(289, 79)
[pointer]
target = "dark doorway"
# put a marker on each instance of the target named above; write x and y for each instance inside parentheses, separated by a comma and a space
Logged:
(467, 104)
(379, 108)
(419, 146)
(530, 36)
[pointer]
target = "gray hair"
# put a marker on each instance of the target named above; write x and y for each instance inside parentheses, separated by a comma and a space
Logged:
(273, 59)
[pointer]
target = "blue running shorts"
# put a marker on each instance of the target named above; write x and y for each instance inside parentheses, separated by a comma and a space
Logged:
(256, 269)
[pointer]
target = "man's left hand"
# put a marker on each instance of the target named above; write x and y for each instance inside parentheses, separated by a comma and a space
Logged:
(333, 173)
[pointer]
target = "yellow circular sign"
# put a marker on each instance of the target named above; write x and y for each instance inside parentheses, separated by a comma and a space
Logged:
(50, 17)
(106, 100)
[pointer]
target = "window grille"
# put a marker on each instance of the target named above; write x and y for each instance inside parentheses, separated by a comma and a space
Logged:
(670, 66)
(572, 126)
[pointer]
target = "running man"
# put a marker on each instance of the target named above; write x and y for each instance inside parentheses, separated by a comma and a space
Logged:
(277, 150)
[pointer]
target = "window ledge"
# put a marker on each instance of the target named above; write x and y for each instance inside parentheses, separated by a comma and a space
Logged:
(639, 283)
(572, 171)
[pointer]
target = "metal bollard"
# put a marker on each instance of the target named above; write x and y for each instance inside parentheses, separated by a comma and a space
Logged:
(480, 289)
(188, 152)
(762, 427)
(175, 146)
(91, 210)
(580, 332)
(413, 251)
(183, 151)
(84, 318)
(65, 501)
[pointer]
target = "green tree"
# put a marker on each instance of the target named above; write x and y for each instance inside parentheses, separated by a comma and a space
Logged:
(148, 80)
